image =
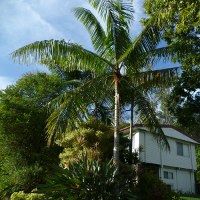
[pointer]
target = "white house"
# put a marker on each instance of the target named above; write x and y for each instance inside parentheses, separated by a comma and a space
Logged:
(175, 167)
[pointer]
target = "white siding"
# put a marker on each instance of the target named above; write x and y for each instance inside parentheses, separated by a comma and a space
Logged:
(153, 153)
(172, 182)
(135, 142)
(183, 180)
(150, 148)
(182, 167)
(193, 156)
(186, 161)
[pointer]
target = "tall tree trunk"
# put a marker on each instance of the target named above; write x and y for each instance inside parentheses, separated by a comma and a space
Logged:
(116, 128)
(131, 127)
(95, 104)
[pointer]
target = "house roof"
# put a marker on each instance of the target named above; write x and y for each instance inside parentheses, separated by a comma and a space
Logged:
(163, 126)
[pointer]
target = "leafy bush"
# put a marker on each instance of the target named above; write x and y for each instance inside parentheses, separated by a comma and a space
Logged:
(150, 187)
(84, 179)
(92, 136)
(23, 114)
(25, 179)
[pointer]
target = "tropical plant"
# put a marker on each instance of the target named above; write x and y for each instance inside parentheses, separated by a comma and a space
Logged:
(115, 53)
(84, 179)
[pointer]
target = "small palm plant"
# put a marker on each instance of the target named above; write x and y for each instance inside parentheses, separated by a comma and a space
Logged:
(84, 179)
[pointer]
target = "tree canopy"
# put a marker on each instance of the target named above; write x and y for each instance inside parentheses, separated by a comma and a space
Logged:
(180, 20)
(25, 157)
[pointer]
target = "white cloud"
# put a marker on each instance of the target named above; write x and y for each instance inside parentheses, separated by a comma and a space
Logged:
(21, 24)
(5, 81)
(24, 22)
(53, 9)
(27, 21)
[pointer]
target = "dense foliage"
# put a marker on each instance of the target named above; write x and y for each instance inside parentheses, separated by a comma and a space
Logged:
(150, 187)
(184, 102)
(25, 158)
(180, 20)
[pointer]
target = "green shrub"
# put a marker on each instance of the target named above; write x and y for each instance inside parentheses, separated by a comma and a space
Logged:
(150, 187)
(92, 136)
(24, 179)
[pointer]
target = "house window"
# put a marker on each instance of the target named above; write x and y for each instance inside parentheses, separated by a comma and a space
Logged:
(182, 149)
(179, 148)
(168, 175)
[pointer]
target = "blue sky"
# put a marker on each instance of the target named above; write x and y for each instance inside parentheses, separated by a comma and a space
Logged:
(24, 22)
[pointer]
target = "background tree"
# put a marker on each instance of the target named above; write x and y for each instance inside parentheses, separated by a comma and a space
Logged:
(159, 98)
(25, 158)
(184, 102)
(181, 105)
(180, 20)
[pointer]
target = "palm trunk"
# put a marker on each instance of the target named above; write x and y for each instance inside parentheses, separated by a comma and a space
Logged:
(131, 127)
(116, 128)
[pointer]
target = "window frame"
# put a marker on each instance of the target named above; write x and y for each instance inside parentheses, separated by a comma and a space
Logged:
(180, 152)
(168, 175)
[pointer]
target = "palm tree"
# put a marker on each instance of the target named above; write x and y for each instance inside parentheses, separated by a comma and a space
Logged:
(115, 52)
(144, 82)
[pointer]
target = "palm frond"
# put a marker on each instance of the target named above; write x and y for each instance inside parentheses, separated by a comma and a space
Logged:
(118, 16)
(104, 7)
(148, 117)
(67, 55)
(145, 42)
(55, 69)
(94, 28)
(153, 78)
(171, 52)
(118, 26)
(150, 58)
(74, 105)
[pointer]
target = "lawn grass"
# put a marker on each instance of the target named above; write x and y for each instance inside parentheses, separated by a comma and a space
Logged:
(190, 198)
